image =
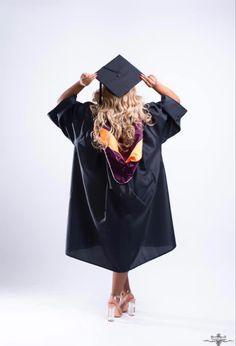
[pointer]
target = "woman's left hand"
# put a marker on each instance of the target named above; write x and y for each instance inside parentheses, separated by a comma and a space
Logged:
(87, 78)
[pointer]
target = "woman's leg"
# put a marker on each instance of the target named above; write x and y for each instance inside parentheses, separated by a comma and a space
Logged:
(119, 280)
(126, 284)
(120, 283)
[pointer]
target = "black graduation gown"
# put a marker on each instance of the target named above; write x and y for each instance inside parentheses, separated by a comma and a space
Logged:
(111, 225)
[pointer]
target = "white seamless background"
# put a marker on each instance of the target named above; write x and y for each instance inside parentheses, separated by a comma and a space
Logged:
(183, 297)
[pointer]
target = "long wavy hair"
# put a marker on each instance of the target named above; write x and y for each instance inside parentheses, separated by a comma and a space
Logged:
(120, 113)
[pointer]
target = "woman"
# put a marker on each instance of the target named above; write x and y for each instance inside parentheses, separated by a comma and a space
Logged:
(119, 211)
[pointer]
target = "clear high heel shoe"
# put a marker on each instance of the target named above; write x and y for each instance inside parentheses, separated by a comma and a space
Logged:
(127, 303)
(114, 309)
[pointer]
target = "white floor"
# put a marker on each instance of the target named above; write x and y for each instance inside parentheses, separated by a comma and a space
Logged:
(33, 317)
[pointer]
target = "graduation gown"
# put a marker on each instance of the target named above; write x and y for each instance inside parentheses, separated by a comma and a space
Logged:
(115, 224)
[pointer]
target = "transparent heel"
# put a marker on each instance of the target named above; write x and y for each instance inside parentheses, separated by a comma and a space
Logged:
(128, 302)
(111, 312)
(113, 305)
(131, 307)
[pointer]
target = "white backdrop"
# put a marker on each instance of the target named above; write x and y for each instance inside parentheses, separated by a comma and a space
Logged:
(183, 297)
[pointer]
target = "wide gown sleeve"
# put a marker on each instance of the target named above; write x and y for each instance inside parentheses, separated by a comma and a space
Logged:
(168, 114)
(69, 115)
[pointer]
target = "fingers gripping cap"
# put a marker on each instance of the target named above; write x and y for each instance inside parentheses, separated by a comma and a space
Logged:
(119, 76)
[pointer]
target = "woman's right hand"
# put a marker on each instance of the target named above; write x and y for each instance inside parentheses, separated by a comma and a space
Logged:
(150, 81)
(87, 78)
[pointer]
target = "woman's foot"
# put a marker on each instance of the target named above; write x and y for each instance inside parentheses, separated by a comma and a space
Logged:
(127, 298)
(114, 309)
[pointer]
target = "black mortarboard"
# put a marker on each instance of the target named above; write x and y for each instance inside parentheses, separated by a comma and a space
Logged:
(119, 76)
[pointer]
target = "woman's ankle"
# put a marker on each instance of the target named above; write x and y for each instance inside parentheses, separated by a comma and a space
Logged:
(127, 289)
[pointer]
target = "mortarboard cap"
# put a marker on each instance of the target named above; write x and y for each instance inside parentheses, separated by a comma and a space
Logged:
(119, 76)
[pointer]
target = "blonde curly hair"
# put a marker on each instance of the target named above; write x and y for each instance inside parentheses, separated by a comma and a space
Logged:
(120, 113)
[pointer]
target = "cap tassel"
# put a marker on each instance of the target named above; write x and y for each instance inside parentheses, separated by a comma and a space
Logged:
(100, 93)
